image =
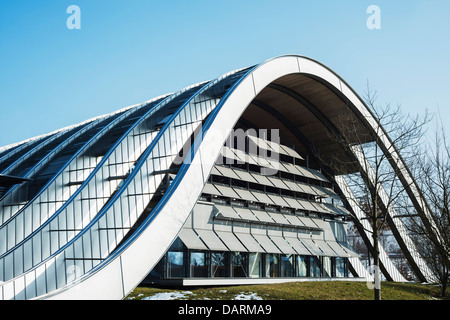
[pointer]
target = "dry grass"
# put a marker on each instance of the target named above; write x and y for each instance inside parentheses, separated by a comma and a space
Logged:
(330, 290)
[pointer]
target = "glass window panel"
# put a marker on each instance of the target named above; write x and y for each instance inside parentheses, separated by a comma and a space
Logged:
(341, 267)
(175, 265)
(255, 265)
(272, 265)
(218, 264)
(239, 264)
(302, 266)
(326, 266)
(315, 267)
(198, 264)
(287, 265)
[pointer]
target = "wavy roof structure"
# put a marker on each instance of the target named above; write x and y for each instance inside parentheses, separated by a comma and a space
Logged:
(92, 209)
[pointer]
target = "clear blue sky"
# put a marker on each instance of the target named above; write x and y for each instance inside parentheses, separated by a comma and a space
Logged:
(128, 52)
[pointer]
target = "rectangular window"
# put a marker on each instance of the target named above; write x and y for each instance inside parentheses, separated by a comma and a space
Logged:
(341, 267)
(315, 267)
(175, 264)
(255, 265)
(326, 267)
(198, 265)
(219, 264)
(302, 266)
(287, 265)
(239, 264)
(272, 265)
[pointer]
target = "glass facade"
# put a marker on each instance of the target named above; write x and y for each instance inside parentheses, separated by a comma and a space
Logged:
(180, 262)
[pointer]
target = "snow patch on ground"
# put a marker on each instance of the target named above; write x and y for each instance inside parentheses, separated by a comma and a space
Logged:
(185, 295)
(247, 296)
(168, 295)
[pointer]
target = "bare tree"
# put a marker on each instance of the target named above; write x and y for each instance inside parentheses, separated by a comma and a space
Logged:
(368, 167)
(434, 179)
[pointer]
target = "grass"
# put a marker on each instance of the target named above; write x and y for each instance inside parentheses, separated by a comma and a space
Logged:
(330, 290)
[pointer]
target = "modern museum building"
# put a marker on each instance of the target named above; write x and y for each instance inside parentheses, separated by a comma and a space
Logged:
(223, 182)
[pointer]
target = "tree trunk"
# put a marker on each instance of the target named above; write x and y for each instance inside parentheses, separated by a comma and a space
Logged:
(376, 261)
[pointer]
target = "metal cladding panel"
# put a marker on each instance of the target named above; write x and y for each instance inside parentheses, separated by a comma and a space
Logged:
(245, 176)
(281, 243)
(325, 225)
(227, 172)
(278, 218)
(291, 152)
(307, 205)
(191, 240)
(341, 251)
(246, 214)
(249, 242)
(297, 244)
(211, 189)
(262, 215)
(293, 186)
(231, 241)
(262, 179)
(294, 220)
(305, 188)
(262, 197)
(308, 222)
(278, 183)
(320, 208)
(312, 247)
(279, 201)
(245, 194)
(211, 240)
(326, 248)
(266, 243)
(293, 203)
(215, 171)
(227, 212)
(227, 191)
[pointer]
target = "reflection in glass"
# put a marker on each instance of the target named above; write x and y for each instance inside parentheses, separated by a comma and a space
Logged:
(302, 266)
(255, 265)
(341, 267)
(326, 263)
(272, 265)
(315, 267)
(175, 266)
(287, 265)
(198, 264)
(218, 264)
(239, 264)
